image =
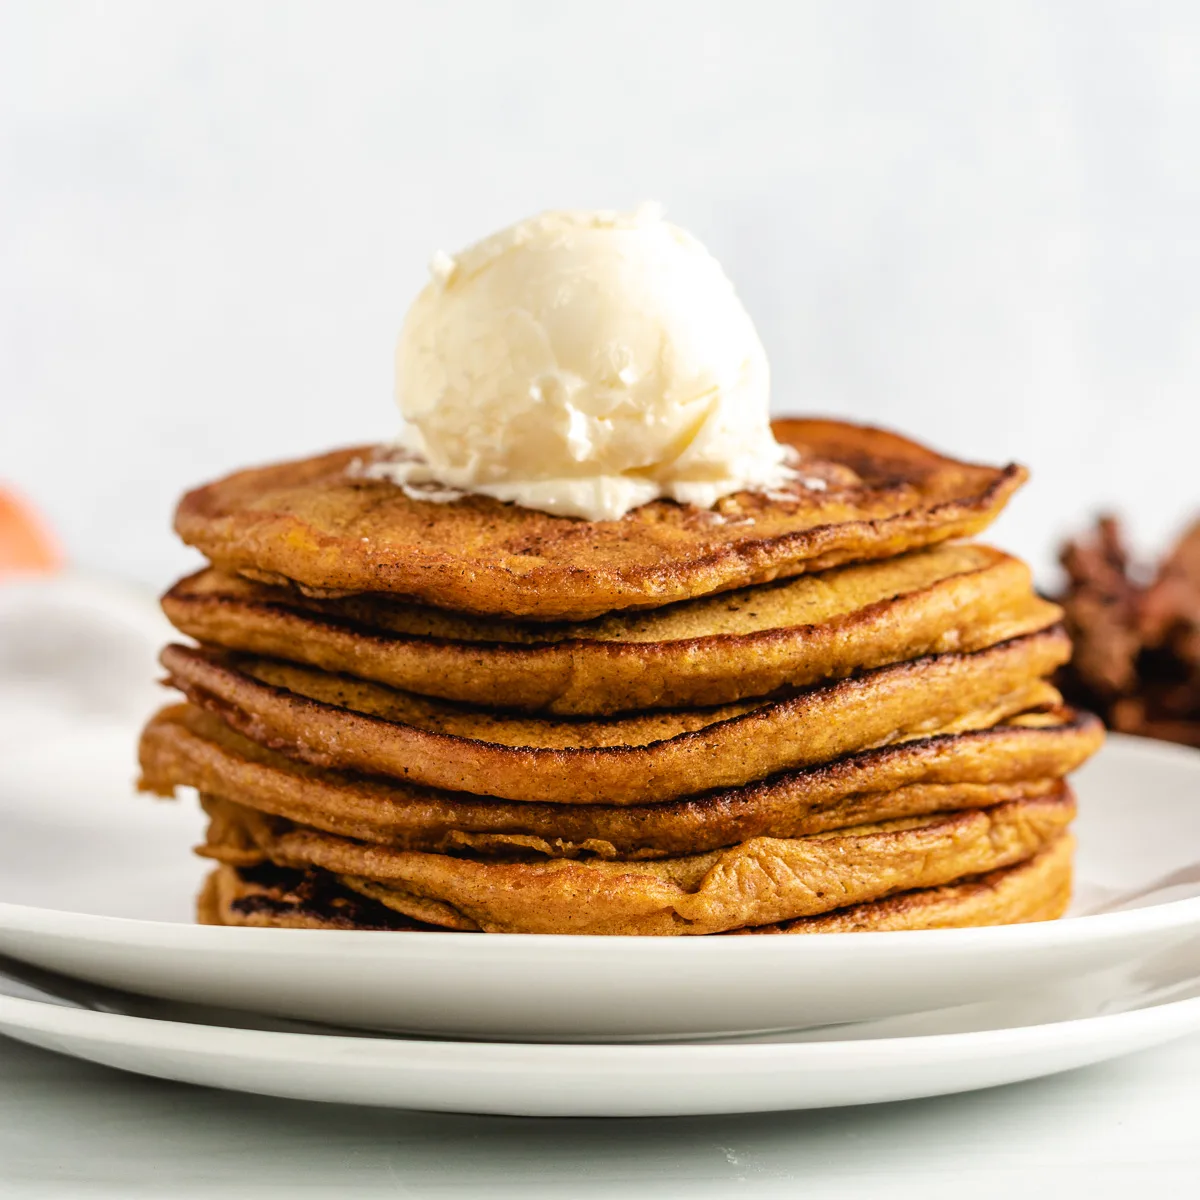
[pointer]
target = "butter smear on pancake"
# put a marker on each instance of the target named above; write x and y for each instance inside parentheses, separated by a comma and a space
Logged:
(583, 364)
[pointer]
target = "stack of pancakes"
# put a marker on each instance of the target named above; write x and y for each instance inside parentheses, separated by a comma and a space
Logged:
(813, 710)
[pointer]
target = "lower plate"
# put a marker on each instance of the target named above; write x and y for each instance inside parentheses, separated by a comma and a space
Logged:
(902, 1058)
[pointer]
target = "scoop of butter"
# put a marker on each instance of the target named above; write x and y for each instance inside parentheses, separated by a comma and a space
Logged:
(583, 363)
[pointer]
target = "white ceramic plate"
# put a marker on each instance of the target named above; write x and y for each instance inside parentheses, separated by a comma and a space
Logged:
(902, 1058)
(98, 883)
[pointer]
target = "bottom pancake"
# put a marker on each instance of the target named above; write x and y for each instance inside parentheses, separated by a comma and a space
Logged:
(1036, 890)
(758, 882)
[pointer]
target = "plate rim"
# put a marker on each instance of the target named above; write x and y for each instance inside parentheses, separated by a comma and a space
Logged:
(450, 1053)
(20, 918)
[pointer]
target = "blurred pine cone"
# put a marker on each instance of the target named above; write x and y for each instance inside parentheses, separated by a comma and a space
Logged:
(1137, 636)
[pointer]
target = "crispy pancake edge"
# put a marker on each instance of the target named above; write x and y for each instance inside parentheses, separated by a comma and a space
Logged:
(268, 897)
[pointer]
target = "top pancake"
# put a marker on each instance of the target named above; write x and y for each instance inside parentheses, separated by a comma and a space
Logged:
(316, 524)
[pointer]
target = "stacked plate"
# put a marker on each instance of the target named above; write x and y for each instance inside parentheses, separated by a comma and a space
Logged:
(97, 888)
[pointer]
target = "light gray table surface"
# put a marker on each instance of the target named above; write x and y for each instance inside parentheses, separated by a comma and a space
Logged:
(69, 1129)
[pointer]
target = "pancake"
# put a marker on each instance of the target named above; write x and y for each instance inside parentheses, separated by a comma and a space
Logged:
(334, 721)
(710, 651)
(862, 494)
(186, 747)
(1036, 890)
(759, 882)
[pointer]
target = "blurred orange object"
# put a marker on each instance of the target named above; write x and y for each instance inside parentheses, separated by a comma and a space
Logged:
(25, 542)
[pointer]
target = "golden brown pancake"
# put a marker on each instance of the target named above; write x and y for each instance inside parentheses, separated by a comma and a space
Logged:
(186, 747)
(710, 651)
(759, 882)
(316, 524)
(1036, 890)
(335, 721)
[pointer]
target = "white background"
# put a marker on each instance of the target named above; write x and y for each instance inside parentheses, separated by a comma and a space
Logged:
(977, 222)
